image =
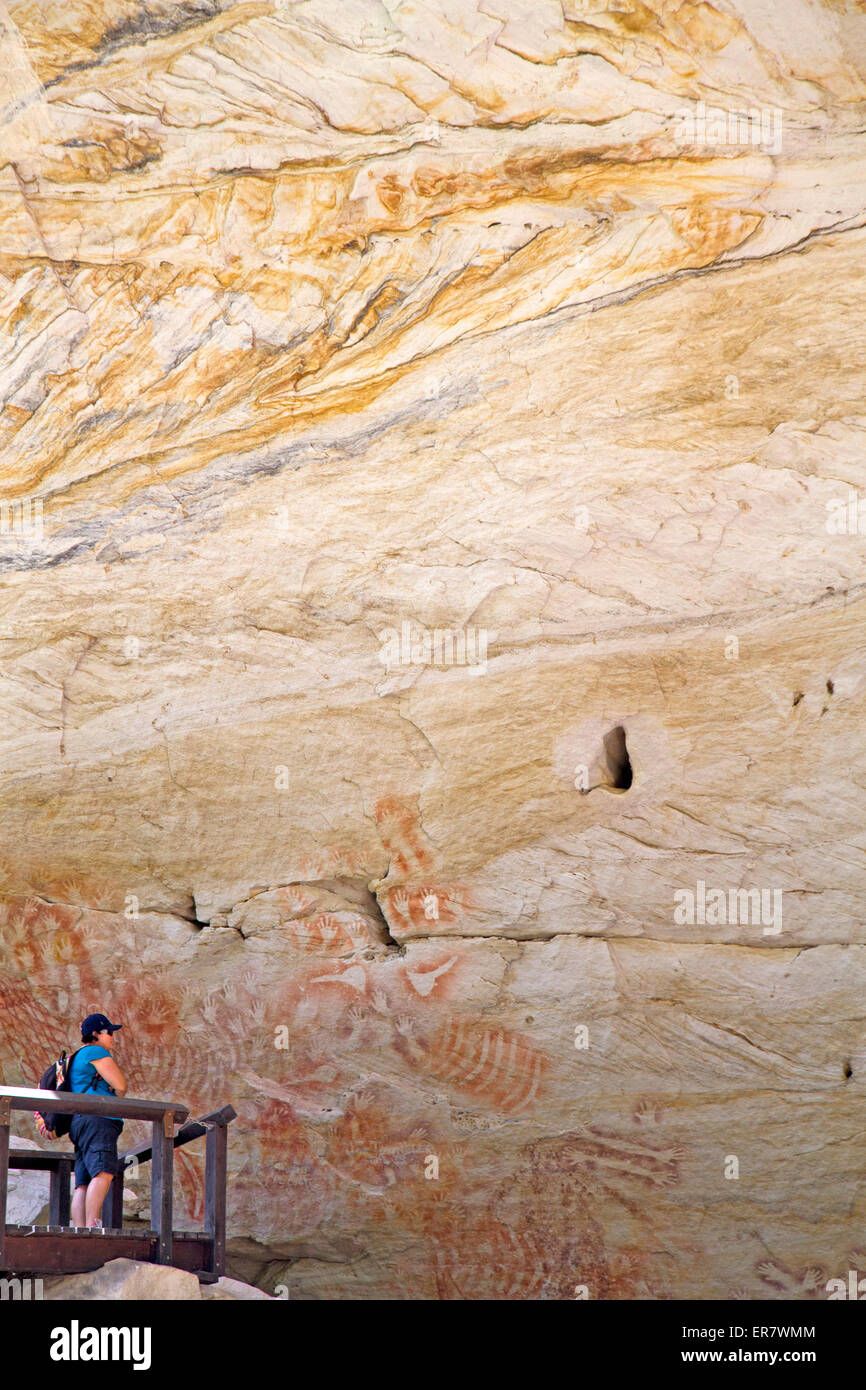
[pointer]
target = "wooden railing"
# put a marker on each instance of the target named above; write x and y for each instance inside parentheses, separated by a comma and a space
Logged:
(209, 1255)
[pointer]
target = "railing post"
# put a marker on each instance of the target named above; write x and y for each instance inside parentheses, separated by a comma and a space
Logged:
(59, 1195)
(5, 1112)
(112, 1207)
(216, 1149)
(162, 1170)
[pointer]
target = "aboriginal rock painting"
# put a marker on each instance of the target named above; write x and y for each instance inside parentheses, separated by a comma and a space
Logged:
(492, 1257)
(364, 1057)
(320, 933)
(412, 901)
(481, 1061)
(621, 1166)
(342, 1070)
(409, 850)
(772, 1279)
(351, 1064)
(58, 963)
(23, 879)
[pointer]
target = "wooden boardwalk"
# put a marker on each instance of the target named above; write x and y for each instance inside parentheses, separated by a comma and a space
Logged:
(59, 1248)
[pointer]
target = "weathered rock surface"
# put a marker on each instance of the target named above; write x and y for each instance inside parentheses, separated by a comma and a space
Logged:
(322, 334)
(232, 1290)
(124, 1279)
(132, 1279)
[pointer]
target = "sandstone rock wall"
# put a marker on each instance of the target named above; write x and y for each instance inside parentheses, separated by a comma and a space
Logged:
(339, 339)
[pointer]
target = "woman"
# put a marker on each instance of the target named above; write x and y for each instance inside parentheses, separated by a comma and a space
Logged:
(95, 1136)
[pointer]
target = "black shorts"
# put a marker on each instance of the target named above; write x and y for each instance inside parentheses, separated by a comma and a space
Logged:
(95, 1139)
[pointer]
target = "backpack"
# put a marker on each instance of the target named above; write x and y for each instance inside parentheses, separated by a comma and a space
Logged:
(50, 1123)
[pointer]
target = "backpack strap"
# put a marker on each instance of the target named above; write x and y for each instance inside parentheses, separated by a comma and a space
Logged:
(61, 1067)
(68, 1068)
(93, 1080)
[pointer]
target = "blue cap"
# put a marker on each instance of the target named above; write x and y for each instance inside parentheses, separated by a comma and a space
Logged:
(98, 1023)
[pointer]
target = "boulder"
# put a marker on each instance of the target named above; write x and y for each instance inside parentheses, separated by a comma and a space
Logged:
(123, 1280)
(232, 1289)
